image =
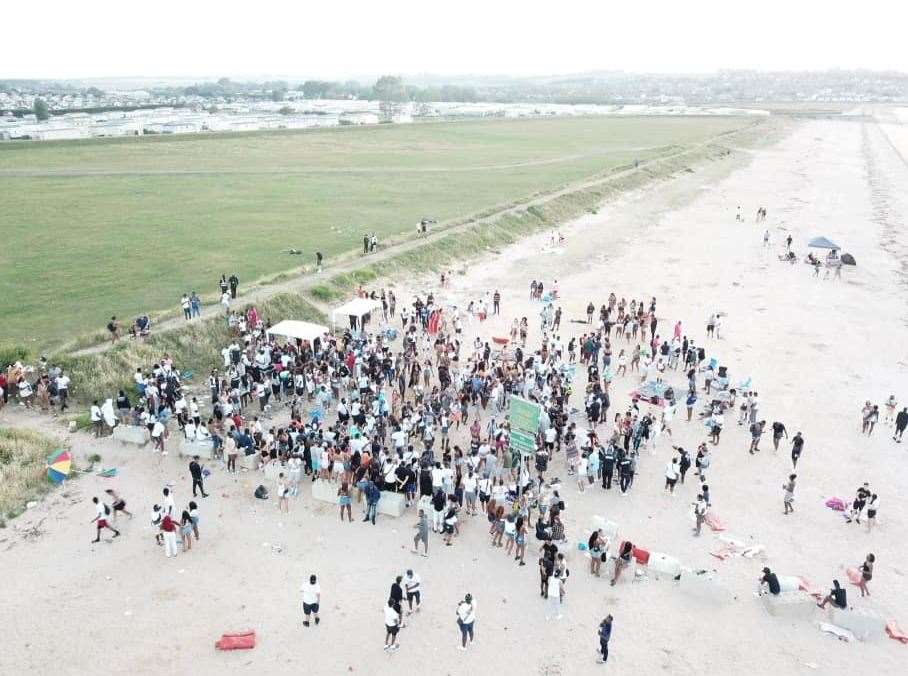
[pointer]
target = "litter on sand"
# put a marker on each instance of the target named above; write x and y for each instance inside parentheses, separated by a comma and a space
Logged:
(838, 632)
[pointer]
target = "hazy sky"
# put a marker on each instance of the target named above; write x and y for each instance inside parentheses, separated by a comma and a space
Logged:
(337, 38)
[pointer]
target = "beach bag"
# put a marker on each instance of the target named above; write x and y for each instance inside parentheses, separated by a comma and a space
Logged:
(261, 493)
(836, 503)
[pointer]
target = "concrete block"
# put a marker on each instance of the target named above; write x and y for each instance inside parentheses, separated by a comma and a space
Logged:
(705, 587)
(273, 469)
(663, 565)
(789, 583)
(794, 605)
(203, 449)
(865, 623)
(131, 434)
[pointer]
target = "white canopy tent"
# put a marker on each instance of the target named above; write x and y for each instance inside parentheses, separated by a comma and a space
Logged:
(291, 328)
(358, 308)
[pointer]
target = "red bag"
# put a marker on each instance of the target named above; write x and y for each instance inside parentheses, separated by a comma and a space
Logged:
(641, 556)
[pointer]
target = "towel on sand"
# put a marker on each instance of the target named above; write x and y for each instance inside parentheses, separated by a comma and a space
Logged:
(244, 640)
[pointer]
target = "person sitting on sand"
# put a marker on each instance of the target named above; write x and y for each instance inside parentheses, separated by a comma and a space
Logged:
(836, 596)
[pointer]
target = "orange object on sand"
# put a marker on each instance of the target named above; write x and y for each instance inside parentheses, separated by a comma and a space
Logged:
(498, 340)
(641, 555)
(893, 630)
(854, 575)
(244, 640)
(714, 522)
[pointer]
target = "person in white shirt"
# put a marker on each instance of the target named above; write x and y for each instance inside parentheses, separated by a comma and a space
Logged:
(157, 436)
(392, 626)
(94, 415)
(412, 588)
(466, 616)
(312, 597)
(553, 601)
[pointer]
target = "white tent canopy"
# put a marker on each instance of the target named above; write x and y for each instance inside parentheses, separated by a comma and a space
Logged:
(358, 307)
(291, 328)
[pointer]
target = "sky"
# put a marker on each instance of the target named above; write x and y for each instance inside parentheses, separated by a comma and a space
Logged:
(333, 39)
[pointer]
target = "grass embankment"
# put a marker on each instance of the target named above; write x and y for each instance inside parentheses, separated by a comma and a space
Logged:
(491, 233)
(195, 347)
(23, 469)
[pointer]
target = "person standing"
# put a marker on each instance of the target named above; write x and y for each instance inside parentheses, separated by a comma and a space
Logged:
(234, 282)
(797, 447)
(412, 587)
(392, 619)
(466, 616)
(866, 574)
(102, 514)
(778, 431)
(318, 261)
(186, 306)
(422, 533)
(701, 507)
(312, 598)
(901, 422)
(169, 532)
(605, 634)
(496, 302)
(195, 469)
(789, 488)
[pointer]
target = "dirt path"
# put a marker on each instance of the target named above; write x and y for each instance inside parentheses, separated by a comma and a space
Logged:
(305, 282)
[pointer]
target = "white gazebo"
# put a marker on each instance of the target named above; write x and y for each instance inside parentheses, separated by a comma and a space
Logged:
(356, 308)
(292, 328)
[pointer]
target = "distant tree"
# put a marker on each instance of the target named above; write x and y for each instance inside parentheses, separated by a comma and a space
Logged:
(278, 94)
(94, 91)
(286, 110)
(39, 108)
(224, 82)
(213, 109)
(389, 90)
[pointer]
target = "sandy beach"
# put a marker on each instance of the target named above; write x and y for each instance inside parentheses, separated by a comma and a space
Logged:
(816, 350)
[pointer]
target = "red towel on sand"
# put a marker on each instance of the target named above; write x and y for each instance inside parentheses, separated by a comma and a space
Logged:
(714, 522)
(244, 640)
(895, 631)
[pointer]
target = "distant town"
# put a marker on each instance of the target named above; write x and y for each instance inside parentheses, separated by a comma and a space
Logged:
(49, 110)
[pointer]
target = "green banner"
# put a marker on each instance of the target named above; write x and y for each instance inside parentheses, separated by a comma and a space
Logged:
(524, 415)
(523, 443)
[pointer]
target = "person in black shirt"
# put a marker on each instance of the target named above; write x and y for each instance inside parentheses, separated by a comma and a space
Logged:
(797, 447)
(771, 581)
(778, 431)
(234, 283)
(195, 469)
(836, 596)
(901, 422)
(396, 597)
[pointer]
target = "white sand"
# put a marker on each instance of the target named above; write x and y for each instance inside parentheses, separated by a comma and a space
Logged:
(816, 350)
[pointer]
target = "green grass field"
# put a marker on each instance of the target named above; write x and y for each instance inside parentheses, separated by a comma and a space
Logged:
(101, 227)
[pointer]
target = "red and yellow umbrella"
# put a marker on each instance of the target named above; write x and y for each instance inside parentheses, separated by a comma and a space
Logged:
(59, 465)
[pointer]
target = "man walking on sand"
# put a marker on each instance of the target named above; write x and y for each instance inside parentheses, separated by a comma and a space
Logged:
(195, 469)
(797, 447)
(102, 514)
(422, 534)
(901, 421)
(466, 616)
(605, 633)
(312, 597)
(789, 488)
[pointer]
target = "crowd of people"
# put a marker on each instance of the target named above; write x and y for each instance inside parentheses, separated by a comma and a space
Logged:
(423, 412)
